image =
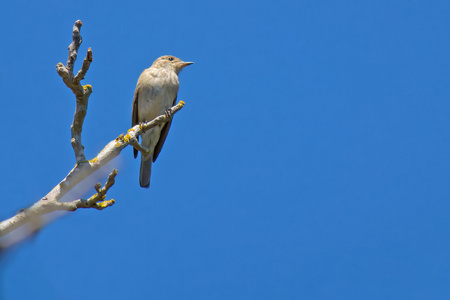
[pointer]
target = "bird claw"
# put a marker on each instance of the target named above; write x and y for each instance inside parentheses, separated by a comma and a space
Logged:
(141, 124)
(169, 114)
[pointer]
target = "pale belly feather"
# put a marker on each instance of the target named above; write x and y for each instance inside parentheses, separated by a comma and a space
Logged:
(154, 100)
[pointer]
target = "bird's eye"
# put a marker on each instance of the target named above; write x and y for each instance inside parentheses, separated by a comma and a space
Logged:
(170, 58)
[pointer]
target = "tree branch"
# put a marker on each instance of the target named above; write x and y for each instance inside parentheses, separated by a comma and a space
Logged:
(97, 200)
(50, 202)
(83, 168)
(82, 93)
(74, 46)
(84, 68)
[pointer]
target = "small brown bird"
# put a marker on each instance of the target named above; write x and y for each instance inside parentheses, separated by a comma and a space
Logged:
(156, 91)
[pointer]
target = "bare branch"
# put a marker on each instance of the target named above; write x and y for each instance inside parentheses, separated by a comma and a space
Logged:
(82, 93)
(139, 147)
(32, 216)
(74, 46)
(84, 68)
(97, 200)
(101, 192)
(161, 119)
(50, 202)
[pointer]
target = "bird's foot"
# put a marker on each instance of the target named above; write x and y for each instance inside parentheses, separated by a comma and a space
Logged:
(169, 114)
(141, 124)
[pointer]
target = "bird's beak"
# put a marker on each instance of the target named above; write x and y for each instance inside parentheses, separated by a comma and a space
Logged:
(185, 64)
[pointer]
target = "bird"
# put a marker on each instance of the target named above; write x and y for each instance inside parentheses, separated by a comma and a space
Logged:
(156, 91)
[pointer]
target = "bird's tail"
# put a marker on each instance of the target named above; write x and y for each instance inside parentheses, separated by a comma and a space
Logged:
(146, 170)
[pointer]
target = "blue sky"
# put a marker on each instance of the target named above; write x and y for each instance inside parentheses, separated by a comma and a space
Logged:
(311, 160)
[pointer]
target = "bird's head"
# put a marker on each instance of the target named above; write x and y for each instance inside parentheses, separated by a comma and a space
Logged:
(169, 61)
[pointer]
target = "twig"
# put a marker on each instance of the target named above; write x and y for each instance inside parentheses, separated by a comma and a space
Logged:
(97, 200)
(84, 68)
(74, 46)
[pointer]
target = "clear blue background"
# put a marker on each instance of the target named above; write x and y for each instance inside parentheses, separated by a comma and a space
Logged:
(311, 160)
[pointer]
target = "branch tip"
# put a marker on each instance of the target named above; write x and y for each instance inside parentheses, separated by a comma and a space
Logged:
(89, 54)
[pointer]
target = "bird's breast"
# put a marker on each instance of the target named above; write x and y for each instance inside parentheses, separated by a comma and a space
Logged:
(157, 92)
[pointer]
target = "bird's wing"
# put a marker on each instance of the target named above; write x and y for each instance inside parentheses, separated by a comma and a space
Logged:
(162, 136)
(134, 115)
